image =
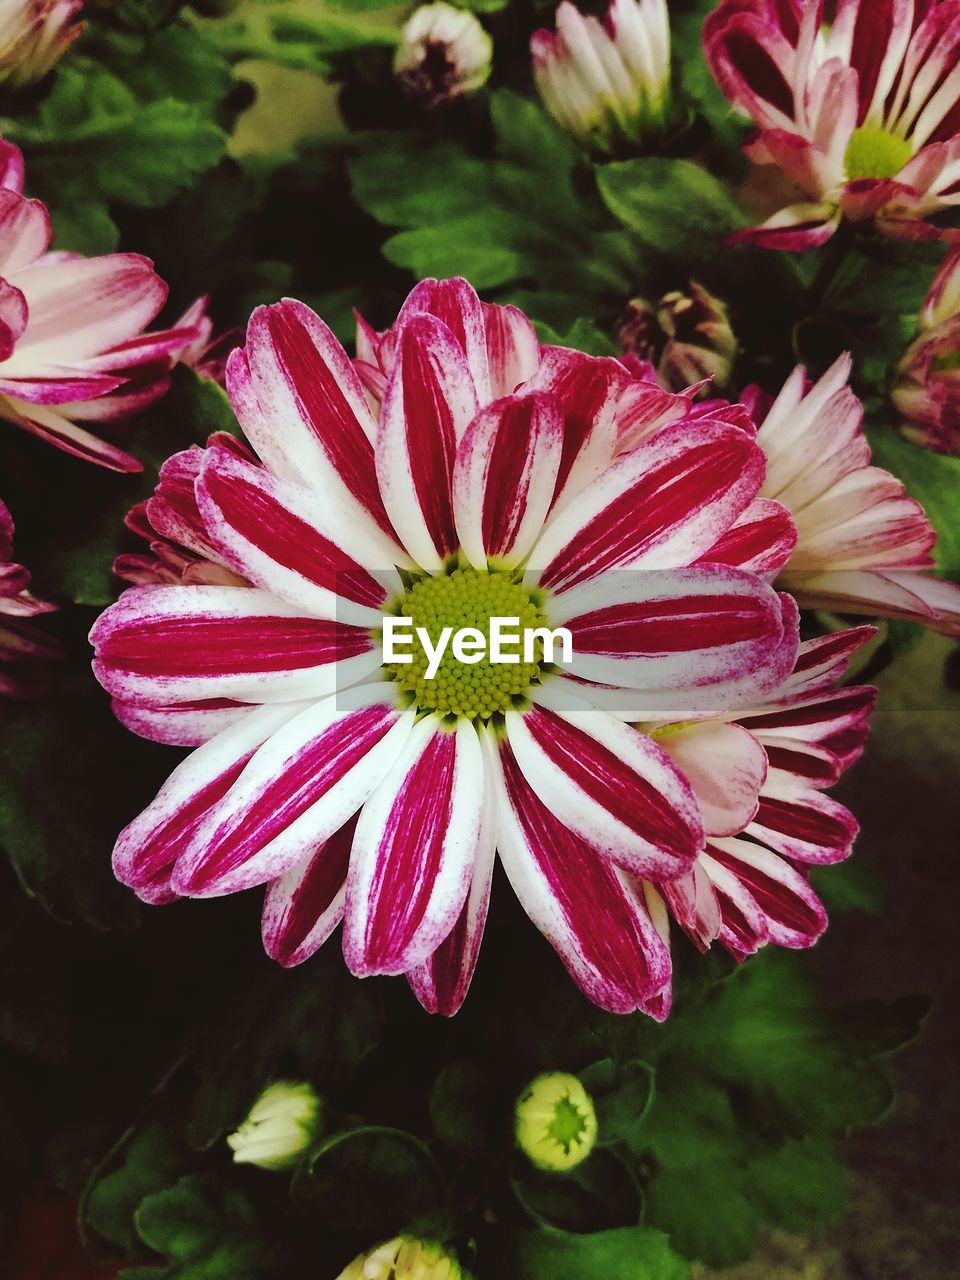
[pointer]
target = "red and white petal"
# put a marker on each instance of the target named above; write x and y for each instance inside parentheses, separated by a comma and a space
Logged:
(56, 428)
(762, 540)
(504, 477)
(513, 349)
(815, 737)
(793, 913)
(184, 724)
(24, 231)
(414, 850)
(454, 302)
(165, 644)
(610, 784)
(300, 787)
(441, 983)
(429, 401)
(147, 850)
(13, 318)
(54, 389)
(911, 594)
(802, 823)
(726, 767)
(693, 904)
(661, 506)
(277, 535)
(302, 406)
(675, 630)
(303, 907)
(795, 229)
(586, 907)
(823, 661)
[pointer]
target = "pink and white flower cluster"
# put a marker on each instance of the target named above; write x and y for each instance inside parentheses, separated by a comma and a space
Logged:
(34, 35)
(456, 467)
(927, 386)
(73, 353)
(25, 650)
(859, 107)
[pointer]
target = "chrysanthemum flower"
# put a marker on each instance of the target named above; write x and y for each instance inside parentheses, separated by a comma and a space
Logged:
(359, 790)
(862, 113)
(443, 54)
(863, 546)
(687, 338)
(607, 84)
(72, 351)
(760, 777)
(35, 34)
(555, 1123)
(927, 390)
(24, 649)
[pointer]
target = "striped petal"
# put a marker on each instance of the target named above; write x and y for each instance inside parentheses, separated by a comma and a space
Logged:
(726, 767)
(589, 910)
(165, 644)
(662, 505)
(297, 790)
(24, 231)
(303, 907)
(414, 850)
(513, 350)
(504, 477)
(750, 880)
(184, 724)
(762, 540)
(612, 785)
(802, 823)
(429, 401)
(455, 303)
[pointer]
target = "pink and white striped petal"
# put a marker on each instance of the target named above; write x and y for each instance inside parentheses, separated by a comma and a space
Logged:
(428, 404)
(24, 231)
(302, 407)
(302, 785)
(661, 506)
(454, 302)
(904, 593)
(164, 644)
(612, 785)
(303, 907)
(513, 349)
(761, 540)
(414, 851)
(504, 477)
(726, 767)
(793, 914)
(147, 850)
(278, 536)
(183, 724)
(587, 908)
(56, 429)
(802, 823)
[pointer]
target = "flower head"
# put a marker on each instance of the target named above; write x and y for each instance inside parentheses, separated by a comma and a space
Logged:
(24, 649)
(863, 546)
(464, 471)
(72, 350)
(404, 1258)
(443, 53)
(607, 84)
(861, 113)
(555, 1122)
(687, 338)
(282, 1124)
(927, 389)
(35, 34)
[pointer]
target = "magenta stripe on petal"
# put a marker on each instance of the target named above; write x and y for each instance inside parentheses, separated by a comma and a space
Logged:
(292, 911)
(673, 626)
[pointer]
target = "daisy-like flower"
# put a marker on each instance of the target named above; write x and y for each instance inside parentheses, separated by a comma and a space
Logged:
(469, 476)
(927, 389)
(863, 546)
(443, 54)
(24, 649)
(862, 113)
(34, 35)
(760, 776)
(72, 350)
(607, 84)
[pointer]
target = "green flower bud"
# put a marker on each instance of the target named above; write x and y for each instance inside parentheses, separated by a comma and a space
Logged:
(282, 1124)
(555, 1123)
(405, 1258)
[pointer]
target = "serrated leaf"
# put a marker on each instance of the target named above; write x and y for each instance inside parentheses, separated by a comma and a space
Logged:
(205, 1230)
(628, 1253)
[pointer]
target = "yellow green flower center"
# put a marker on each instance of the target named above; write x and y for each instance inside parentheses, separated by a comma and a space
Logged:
(875, 153)
(443, 606)
(555, 1122)
(568, 1125)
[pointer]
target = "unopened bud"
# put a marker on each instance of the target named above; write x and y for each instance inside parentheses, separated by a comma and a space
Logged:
(443, 54)
(404, 1258)
(282, 1124)
(555, 1122)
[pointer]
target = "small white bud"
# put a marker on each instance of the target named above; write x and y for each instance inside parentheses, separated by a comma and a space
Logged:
(282, 1124)
(443, 54)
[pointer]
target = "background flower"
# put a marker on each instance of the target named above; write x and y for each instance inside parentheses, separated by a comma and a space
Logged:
(34, 35)
(24, 649)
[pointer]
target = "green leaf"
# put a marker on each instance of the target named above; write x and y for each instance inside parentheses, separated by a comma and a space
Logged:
(464, 1106)
(601, 1192)
(622, 1111)
(205, 1230)
(672, 206)
(627, 1253)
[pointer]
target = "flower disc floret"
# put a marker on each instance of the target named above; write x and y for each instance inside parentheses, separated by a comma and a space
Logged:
(461, 598)
(875, 153)
(556, 1124)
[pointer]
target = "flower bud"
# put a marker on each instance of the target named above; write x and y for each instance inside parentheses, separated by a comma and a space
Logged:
(282, 1124)
(688, 338)
(607, 84)
(555, 1123)
(443, 53)
(404, 1258)
(927, 387)
(34, 34)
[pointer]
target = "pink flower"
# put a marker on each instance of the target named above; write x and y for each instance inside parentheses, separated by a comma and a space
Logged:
(861, 113)
(24, 649)
(72, 350)
(205, 354)
(760, 776)
(863, 546)
(927, 390)
(477, 476)
(35, 34)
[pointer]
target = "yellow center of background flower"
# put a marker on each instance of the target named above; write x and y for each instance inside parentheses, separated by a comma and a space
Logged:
(466, 597)
(875, 153)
